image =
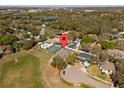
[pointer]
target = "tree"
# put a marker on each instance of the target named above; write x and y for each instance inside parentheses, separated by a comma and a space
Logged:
(28, 44)
(59, 63)
(71, 58)
(43, 38)
(118, 77)
(7, 39)
(96, 49)
(73, 35)
(86, 47)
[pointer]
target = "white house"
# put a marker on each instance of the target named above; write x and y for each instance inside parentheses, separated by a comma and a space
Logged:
(46, 45)
(107, 68)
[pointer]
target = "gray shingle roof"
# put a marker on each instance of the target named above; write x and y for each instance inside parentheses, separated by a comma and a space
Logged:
(108, 66)
(84, 57)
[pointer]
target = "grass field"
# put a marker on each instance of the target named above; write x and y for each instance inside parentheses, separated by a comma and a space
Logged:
(21, 72)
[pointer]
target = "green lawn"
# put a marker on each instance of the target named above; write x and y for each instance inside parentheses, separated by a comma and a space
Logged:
(21, 72)
(86, 86)
(95, 71)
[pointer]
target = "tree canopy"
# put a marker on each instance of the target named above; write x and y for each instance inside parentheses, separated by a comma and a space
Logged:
(59, 63)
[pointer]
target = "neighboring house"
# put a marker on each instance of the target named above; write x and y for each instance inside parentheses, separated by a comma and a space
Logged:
(84, 59)
(49, 42)
(116, 54)
(46, 45)
(107, 68)
(36, 37)
(121, 33)
(43, 26)
(49, 18)
(116, 35)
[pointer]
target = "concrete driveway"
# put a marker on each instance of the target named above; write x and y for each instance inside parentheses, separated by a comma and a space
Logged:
(76, 75)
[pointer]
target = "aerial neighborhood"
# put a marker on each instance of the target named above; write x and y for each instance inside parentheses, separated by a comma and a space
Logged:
(31, 53)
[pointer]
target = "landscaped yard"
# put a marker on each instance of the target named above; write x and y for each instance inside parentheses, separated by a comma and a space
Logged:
(23, 71)
(95, 71)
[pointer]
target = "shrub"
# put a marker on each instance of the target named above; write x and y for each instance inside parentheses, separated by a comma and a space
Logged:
(87, 39)
(107, 44)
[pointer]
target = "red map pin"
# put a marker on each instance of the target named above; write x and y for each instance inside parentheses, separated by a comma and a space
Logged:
(64, 40)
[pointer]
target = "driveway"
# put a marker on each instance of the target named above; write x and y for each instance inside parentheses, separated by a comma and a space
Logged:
(76, 75)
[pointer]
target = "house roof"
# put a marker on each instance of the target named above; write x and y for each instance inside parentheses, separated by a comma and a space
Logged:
(84, 57)
(108, 66)
(117, 36)
(118, 54)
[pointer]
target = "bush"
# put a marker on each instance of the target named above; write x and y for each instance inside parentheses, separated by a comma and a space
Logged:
(29, 44)
(107, 44)
(87, 39)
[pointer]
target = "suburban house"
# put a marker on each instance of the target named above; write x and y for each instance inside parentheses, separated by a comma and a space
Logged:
(107, 68)
(49, 18)
(46, 45)
(116, 54)
(84, 59)
(49, 43)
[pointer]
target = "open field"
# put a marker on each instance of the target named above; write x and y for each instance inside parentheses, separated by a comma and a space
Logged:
(21, 72)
